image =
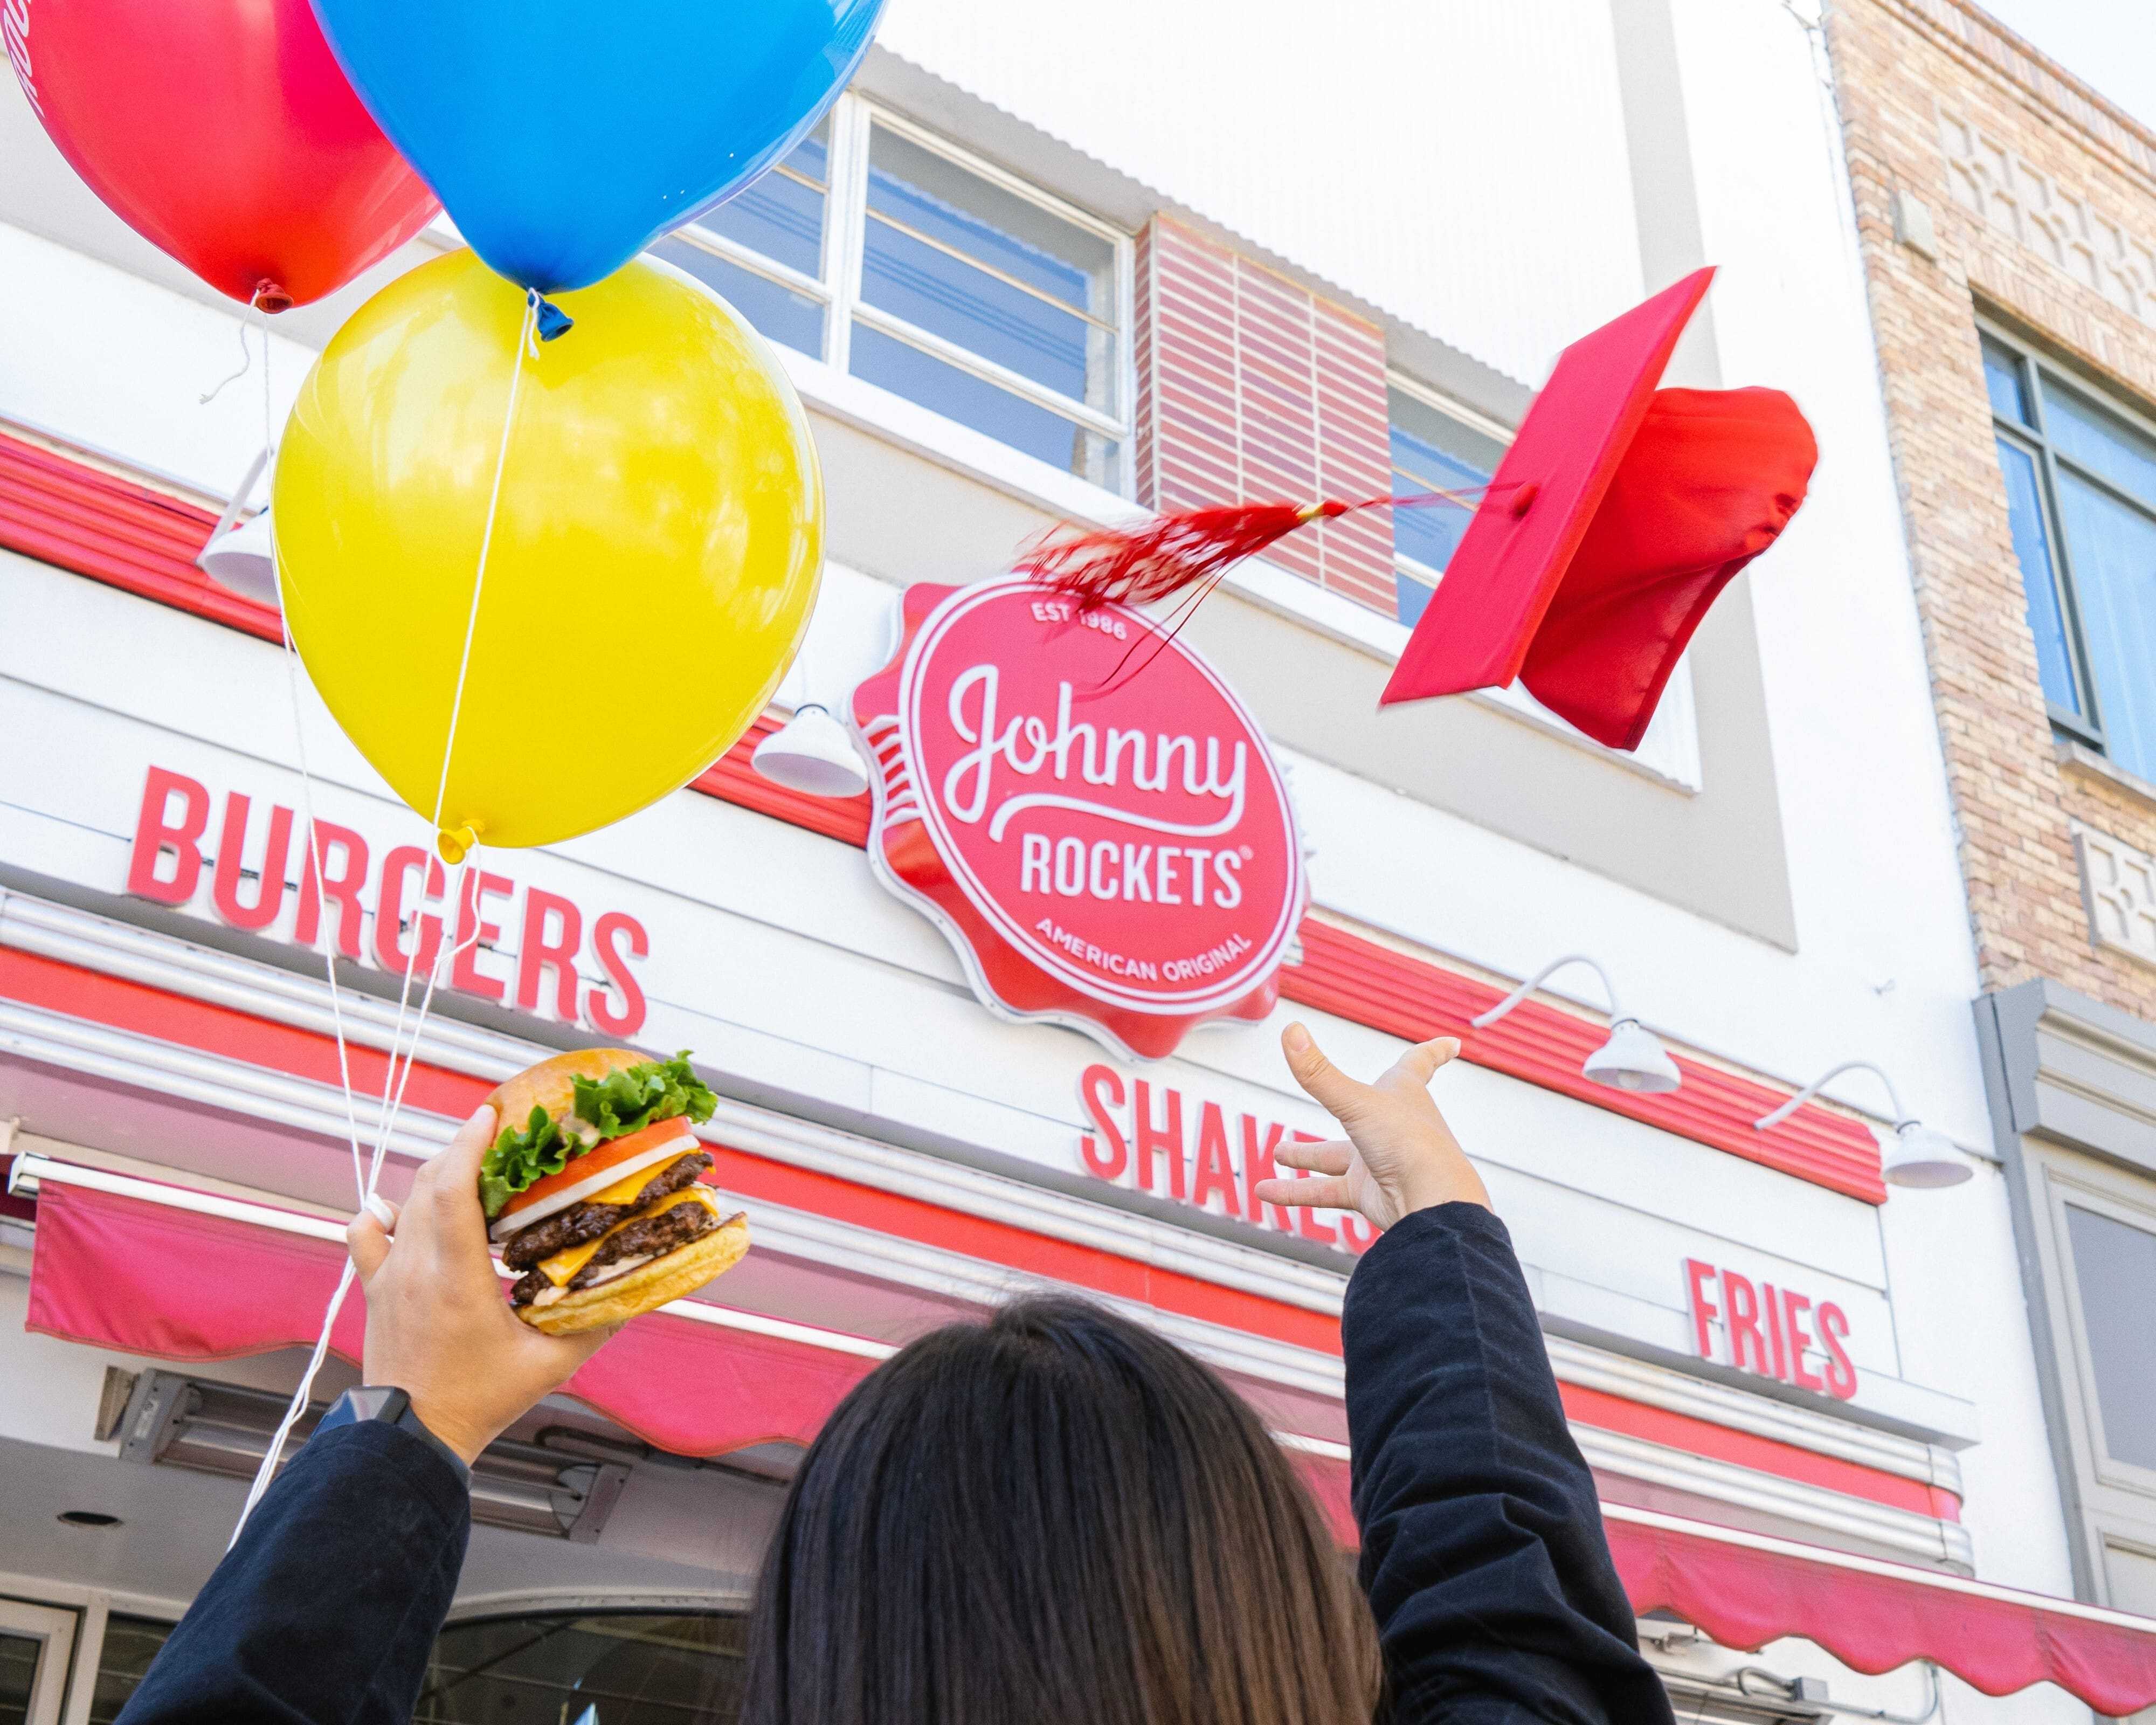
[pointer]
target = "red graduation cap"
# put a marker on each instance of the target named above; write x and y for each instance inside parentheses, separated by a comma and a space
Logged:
(1617, 517)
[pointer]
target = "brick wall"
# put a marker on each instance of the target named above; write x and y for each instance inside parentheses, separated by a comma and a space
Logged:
(1250, 389)
(2041, 198)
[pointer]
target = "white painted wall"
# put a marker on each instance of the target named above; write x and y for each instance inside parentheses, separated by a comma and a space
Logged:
(1463, 166)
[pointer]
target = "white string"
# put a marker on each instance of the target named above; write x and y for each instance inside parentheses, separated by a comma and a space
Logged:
(391, 1107)
(486, 544)
(394, 1082)
(246, 359)
(306, 778)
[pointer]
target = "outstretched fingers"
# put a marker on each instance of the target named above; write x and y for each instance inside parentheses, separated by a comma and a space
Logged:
(1418, 1065)
(1333, 1090)
(1328, 1193)
(1329, 1157)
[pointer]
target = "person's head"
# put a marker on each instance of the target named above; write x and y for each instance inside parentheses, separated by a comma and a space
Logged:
(1052, 1518)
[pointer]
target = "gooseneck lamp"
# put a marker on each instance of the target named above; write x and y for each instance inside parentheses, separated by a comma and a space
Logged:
(812, 753)
(1633, 1059)
(241, 556)
(1920, 1156)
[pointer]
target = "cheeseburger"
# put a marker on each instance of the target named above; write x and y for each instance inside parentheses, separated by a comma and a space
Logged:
(591, 1189)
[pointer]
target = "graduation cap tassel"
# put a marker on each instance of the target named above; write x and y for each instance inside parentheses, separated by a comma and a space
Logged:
(1169, 554)
(1619, 513)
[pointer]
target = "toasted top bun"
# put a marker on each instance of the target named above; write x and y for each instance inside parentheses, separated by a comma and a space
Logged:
(546, 1085)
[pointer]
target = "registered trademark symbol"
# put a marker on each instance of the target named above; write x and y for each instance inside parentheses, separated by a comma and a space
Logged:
(1248, 853)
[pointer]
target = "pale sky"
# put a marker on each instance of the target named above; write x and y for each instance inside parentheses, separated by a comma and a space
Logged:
(2109, 44)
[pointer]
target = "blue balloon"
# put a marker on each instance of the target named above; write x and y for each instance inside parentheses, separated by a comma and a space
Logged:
(564, 136)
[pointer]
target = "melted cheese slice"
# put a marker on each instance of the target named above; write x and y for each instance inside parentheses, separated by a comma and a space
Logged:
(563, 1264)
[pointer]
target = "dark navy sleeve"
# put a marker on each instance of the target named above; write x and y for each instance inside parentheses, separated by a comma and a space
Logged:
(1483, 1553)
(328, 1607)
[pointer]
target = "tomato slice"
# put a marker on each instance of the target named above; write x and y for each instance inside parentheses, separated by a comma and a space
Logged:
(598, 1160)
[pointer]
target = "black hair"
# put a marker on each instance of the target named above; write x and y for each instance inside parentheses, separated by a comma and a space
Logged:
(1056, 1517)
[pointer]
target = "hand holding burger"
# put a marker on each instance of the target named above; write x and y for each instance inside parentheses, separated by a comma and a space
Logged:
(584, 1167)
(437, 1326)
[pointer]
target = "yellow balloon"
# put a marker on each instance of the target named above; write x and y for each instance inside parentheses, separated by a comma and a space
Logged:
(654, 558)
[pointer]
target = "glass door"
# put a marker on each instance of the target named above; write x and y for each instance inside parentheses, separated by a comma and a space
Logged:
(35, 1641)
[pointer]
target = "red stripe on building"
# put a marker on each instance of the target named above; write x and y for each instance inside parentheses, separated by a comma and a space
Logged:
(68, 513)
(1020, 1249)
(1790, 1461)
(77, 518)
(1355, 978)
(48, 984)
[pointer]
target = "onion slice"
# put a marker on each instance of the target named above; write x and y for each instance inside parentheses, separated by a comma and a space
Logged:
(675, 1144)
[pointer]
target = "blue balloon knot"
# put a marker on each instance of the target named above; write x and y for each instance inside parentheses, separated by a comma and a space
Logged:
(553, 320)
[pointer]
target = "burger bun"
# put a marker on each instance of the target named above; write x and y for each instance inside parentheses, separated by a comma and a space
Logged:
(645, 1288)
(547, 1085)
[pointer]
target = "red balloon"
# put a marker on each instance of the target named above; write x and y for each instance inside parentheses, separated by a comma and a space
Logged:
(222, 131)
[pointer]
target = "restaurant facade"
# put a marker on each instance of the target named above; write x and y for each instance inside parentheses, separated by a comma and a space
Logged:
(2008, 220)
(1008, 1019)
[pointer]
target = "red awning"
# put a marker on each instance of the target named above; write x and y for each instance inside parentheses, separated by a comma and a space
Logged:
(1747, 1589)
(143, 1274)
(178, 1274)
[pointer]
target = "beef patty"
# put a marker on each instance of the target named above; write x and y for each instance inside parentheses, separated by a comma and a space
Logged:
(649, 1236)
(585, 1221)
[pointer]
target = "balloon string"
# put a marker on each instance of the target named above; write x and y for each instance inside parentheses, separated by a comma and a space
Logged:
(293, 1408)
(485, 544)
(394, 1079)
(394, 1084)
(246, 359)
(314, 840)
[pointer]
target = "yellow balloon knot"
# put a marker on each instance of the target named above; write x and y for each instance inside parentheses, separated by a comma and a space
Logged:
(455, 844)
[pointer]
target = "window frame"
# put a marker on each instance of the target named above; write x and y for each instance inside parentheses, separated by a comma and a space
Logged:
(2034, 370)
(2108, 1503)
(838, 287)
(2131, 1210)
(1669, 753)
(517, 1607)
(1453, 409)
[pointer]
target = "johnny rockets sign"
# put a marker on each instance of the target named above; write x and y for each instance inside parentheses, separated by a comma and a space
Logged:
(1086, 811)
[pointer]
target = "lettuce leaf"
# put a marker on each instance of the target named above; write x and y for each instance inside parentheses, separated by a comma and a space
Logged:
(522, 1157)
(610, 1107)
(637, 1096)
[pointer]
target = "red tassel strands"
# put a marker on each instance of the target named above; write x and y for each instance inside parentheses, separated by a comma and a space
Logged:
(1169, 554)
(1160, 558)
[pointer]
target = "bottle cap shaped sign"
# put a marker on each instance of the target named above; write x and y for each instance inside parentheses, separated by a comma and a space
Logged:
(1086, 811)
(1617, 517)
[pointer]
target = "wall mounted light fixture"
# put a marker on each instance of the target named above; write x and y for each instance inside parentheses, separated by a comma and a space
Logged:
(1920, 1156)
(1633, 1059)
(241, 556)
(812, 753)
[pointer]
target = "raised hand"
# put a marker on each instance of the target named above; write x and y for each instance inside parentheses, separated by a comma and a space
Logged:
(1399, 1156)
(437, 1325)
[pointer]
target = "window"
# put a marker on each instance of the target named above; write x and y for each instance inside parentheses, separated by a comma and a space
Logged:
(2096, 1264)
(889, 253)
(589, 1668)
(764, 249)
(130, 1643)
(1433, 448)
(2115, 1275)
(2080, 499)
